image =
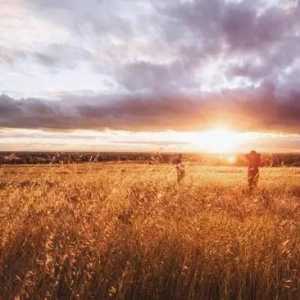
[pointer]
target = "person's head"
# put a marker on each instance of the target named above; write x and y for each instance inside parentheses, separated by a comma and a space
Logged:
(253, 152)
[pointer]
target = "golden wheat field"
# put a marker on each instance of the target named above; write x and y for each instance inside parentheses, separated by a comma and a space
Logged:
(129, 231)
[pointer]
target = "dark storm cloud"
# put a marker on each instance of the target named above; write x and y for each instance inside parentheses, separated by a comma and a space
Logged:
(246, 109)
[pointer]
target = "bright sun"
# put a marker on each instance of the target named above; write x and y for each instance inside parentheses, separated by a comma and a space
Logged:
(219, 140)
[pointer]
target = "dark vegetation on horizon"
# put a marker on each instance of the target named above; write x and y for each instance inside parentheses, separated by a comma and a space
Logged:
(270, 160)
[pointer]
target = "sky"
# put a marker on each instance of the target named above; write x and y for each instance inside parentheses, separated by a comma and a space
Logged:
(141, 75)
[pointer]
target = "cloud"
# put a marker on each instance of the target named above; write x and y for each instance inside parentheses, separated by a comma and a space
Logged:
(183, 65)
(91, 19)
(58, 55)
(250, 40)
(253, 109)
(155, 45)
(145, 76)
(241, 32)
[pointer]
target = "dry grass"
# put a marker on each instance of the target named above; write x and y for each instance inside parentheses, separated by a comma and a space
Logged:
(130, 232)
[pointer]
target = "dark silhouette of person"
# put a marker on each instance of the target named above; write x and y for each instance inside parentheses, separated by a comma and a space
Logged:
(180, 167)
(253, 168)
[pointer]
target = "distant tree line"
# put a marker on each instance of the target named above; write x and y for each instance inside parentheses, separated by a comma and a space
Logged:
(271, 160)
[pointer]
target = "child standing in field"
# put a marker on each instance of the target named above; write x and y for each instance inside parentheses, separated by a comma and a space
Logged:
(180, 167)
(253, 168)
